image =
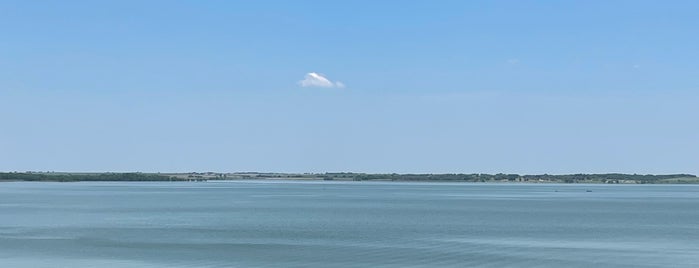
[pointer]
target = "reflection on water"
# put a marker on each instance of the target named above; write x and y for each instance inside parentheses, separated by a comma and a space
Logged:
(346, 224)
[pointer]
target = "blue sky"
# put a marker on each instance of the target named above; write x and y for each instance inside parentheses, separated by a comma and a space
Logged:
(429, 87)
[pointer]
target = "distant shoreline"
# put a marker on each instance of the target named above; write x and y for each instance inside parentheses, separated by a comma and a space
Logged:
(609, 178)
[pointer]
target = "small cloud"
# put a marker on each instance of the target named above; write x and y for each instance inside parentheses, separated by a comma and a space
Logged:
(513, 61)
(636, 66)
(318, 80)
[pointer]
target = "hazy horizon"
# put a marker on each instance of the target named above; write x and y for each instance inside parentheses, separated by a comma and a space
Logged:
(319, 173)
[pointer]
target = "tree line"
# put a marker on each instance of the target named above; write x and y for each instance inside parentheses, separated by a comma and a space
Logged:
(66, 177)
(610, 178)
(500, 177)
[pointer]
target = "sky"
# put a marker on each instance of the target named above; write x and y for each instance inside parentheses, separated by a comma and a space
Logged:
(526, 87)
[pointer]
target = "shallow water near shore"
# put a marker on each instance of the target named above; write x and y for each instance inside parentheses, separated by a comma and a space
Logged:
(346, 224)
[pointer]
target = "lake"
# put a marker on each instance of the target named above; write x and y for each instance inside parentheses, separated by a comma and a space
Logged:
(346, 224)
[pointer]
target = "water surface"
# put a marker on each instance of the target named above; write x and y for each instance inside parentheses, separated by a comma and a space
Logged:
(346, 224)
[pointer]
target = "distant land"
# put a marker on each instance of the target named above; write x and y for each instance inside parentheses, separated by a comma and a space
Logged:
(610, 178)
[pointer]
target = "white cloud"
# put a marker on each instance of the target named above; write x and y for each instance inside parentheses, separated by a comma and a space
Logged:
(319, 80)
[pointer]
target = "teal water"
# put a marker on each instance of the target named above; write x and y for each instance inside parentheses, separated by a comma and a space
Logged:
(346, 224)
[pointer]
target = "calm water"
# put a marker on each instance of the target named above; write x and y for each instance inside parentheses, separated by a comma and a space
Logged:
(346, 224)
